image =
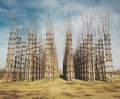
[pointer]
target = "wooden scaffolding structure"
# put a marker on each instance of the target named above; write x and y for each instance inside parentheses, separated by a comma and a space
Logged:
(10, 56)
(25, 60)
(93, 60)
(68, 64)
(84, 59)
(32, 60)
(51, 62)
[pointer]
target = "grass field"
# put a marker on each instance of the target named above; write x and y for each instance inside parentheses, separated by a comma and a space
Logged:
(60, 89)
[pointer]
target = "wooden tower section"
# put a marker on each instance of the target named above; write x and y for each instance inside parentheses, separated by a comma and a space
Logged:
(100, 58)
(25, 60)
(108, 56)
(84, 59)
(108, 49)
(17, 73)
(10, 56)
(68, 65)
(90, 58)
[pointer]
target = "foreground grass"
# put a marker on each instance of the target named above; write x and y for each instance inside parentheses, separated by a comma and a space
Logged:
(59, 89)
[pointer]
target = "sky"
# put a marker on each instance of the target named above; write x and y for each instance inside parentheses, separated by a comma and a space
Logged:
(22, 11)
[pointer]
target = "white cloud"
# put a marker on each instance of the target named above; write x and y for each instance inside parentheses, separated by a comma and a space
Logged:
(9, 2)
(3, 10)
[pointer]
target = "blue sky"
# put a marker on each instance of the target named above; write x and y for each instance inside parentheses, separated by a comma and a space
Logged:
(22, 11)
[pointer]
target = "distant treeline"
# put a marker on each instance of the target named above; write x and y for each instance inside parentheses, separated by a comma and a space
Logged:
(117, 71)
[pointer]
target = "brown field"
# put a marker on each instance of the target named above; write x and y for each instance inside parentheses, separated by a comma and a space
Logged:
(60, 89)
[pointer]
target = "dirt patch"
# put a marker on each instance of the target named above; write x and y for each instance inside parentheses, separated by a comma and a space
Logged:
(26, 84)
(15, 91)
(39, 98)
(112, 90)
(98, 91)
(117, 96)
(88, 95)
(35, 98)
(6, 97)
(3, 92)
(67, 94)
(10, 94)
(14, 96)
(29, 94)
(117, 87)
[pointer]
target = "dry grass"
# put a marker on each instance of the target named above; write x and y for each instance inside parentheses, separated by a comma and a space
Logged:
(60, 89)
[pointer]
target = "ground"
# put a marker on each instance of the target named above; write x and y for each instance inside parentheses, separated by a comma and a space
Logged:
(60, 89)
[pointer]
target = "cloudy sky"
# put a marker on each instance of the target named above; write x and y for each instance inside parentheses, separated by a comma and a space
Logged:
(21, 11)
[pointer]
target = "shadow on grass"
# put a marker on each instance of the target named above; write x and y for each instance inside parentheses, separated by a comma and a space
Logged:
(61, 76)
(88, 95)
